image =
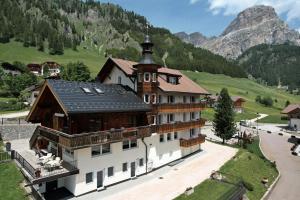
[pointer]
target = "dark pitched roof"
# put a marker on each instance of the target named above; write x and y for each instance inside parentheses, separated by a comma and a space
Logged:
(114, 98)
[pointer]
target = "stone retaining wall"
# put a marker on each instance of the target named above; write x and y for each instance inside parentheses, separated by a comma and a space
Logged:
(16, 131)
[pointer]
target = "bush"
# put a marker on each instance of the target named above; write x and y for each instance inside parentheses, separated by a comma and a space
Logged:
(267, 101)
(248, 185)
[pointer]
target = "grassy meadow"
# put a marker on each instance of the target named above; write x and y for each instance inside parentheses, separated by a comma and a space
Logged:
(247, 89)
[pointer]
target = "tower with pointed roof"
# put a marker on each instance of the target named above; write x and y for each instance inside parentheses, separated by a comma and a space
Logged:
(147, 73)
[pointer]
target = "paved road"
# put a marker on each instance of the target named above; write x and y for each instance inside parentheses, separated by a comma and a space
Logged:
(15, 114)
(278, 148)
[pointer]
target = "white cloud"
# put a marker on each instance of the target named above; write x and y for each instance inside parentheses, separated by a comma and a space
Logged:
(232, 7)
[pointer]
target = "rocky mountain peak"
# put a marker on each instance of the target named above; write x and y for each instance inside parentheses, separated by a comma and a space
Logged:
(195, 38)
(250, 17)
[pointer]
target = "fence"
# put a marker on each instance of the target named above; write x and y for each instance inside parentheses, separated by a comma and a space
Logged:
(9, 121)
(4, 157)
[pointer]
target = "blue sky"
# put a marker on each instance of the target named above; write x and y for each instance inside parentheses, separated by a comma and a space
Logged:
(209, 17)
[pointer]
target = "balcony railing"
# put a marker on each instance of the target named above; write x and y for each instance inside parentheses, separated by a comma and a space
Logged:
(192, 141)
(113, 135)
(179, 126)
(178, 107)
(39, 174)
(91, 138)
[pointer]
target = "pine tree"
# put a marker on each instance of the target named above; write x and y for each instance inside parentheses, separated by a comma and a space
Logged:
(223, 122)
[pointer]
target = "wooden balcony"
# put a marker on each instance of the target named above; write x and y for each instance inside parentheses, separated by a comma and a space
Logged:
(180, 126)
(178, 107)
(192, 141)
(91, 138)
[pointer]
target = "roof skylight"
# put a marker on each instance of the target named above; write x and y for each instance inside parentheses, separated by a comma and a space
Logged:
(98, 90)
(86, 90)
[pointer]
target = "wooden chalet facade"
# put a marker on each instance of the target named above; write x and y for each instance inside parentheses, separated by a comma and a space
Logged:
(293, 113)
(135, 118)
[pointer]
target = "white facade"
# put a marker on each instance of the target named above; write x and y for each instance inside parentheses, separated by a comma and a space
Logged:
(294, 123)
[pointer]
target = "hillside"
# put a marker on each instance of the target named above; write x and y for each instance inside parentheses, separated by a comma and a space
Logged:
(55, 27)
(247, 89)
(273, 63)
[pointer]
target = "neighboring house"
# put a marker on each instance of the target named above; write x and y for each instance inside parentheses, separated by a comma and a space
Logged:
(34, 93)
(238, 102)
(10, 69)
(293, 113)
(136, 118)
(39, 69)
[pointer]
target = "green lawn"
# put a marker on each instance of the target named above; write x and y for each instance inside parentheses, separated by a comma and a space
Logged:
(247, 89)
(10, 179)
(209, 114)
(14, 51)
(249, 165)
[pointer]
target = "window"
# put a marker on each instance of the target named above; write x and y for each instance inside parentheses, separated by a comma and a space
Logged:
(192, 132)
(146, 98)
(124, 167)
(147, 77)
(139, 77)
(154, 77)
(184, 117)
(110, 171)
(184, 99)
(141, 162)
(96, 150)
(192, 115)
(100, 149)
(105, 148)
(119, 80)
(173, 80)
(98, 90)
(171, 99)
(192, 99)
(153, 99)
(86, 90)
(128, 144)
(175, 135)
(153, 120)
(160, 100)
(159, 119)
(133, 143)
(169, 137)
(170, 118)
(161, 138)
(89, 177)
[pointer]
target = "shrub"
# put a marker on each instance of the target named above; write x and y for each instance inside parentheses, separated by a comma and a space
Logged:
(248, 185)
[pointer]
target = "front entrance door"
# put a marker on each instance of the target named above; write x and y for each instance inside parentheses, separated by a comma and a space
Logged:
(100, 179)
(50, 186)
(132, 166)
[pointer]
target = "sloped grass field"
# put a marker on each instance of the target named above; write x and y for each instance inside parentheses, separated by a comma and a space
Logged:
(10, 179)
(14, 51)
(249, 165)
(247, 89)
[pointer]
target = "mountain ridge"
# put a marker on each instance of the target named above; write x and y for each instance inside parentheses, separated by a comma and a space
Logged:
(253, 26)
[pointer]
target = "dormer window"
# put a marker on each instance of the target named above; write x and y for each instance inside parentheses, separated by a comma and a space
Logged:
(173, 80)
(154, 77)
(147, 77)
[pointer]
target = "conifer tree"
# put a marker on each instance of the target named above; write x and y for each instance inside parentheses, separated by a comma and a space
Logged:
(223, 122)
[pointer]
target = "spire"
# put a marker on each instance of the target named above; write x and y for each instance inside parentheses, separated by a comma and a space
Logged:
(147, 49)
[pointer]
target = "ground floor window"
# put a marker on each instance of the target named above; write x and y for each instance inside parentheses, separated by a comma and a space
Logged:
(161, 138)
(124, 167)
(110, 171)
(169, 137)
(89, 177)
(141, 162)
(100, 149)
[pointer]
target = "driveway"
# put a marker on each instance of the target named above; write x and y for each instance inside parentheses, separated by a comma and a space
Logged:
(277, 148)
(15, 114)
(174, 181)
